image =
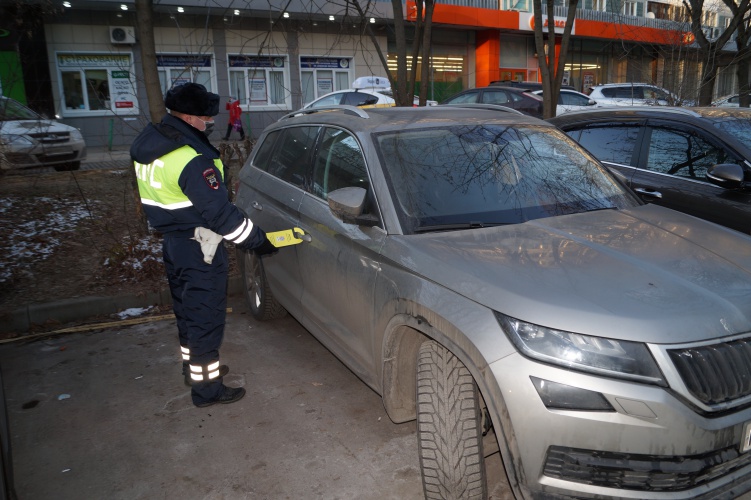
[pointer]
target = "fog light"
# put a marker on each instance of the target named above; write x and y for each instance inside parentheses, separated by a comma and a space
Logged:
(565, 397)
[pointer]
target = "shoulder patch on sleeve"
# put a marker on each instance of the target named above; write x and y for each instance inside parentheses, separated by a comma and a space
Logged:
(209, 175)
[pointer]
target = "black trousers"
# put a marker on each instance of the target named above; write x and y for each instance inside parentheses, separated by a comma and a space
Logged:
(229, 131)
(199, 300)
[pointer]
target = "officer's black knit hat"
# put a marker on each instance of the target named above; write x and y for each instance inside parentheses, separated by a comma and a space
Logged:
(192, 99)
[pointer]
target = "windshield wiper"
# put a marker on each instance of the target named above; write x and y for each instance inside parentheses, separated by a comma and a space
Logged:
(458, 226)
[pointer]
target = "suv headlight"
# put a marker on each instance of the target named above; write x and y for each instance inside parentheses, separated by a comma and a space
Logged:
(599, 355)
(75, 135)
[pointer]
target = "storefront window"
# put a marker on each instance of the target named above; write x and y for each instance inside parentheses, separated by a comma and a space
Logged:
(321, 75)
(176, 69)
(267, 80)
(96, 84)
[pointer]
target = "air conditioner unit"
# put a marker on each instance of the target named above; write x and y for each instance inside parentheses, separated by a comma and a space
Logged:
(122, 34)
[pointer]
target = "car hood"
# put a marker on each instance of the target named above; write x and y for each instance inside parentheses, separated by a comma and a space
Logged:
(646, 274)
(23, 127)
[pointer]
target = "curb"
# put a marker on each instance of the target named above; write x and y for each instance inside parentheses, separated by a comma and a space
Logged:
(81, 308)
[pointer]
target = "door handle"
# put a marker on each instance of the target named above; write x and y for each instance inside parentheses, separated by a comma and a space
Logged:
(257, 205)
(649, 192)
(302, 236)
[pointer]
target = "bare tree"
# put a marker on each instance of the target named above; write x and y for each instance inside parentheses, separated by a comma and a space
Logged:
(742, 66)
(552, 67)
(404, 83)
(711, 51)
(144, 16)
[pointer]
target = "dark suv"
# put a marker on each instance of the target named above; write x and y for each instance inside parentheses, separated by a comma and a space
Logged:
(694, 160)
(516, 98)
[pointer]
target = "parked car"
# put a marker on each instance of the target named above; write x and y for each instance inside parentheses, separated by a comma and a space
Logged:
(515, 98)
(492, 280)
(729, 101)
(352, 97)
(525, 84)
(695, 160)
(28, 139)
(571, 100)
(634, 94)
(366, 91)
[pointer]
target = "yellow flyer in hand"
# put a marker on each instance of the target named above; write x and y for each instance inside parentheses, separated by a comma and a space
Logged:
(286, 237)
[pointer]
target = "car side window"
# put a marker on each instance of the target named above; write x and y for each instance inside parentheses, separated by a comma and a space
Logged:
(287, 159)
(683, 153)
(495, 97)
(573, 99)
(339, 163)
(359, 99)
(468, 97)
(331, 100)
(611, 143)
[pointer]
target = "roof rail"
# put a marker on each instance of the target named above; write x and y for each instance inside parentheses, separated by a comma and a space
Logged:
(346, 108)
(667, 109)
(491, 107)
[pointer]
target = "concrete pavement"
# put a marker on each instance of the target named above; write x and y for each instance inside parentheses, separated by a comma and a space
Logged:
(104, 414)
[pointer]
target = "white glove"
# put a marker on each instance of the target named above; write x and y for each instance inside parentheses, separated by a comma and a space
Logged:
(209, 240)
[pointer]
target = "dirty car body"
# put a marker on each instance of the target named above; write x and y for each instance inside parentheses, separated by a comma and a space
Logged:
(482, 272)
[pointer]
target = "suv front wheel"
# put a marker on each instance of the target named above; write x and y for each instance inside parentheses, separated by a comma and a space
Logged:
(449, 429)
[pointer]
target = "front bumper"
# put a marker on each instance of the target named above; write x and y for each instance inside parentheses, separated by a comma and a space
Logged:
(653, 445)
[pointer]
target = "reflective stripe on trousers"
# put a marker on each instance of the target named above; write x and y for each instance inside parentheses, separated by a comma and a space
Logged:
(204, 373)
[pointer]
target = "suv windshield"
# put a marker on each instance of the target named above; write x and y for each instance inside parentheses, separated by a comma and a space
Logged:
(484, 175)
(13, 110)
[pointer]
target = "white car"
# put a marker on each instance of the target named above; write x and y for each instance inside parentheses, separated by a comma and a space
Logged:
(28, 139)
(571, 100)
(353, 97)
(634, 94)
(368, 91)
(729, 101)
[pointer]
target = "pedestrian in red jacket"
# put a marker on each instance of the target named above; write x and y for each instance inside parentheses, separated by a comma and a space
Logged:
(233, 106)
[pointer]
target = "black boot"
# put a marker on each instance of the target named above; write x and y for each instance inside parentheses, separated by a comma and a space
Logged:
(228, 395)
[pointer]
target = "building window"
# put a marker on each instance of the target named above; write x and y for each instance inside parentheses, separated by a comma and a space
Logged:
(629, 8)
(260, 81)
(709, 18)
(601, 5)
(520, 5)
(321, 75)
(176, 69)
(96, 84)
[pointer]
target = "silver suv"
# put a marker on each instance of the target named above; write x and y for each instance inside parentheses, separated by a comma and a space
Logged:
(490, 279)
(633, 94)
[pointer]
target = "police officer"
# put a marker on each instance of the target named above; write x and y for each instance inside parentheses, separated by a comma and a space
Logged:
(180, 181)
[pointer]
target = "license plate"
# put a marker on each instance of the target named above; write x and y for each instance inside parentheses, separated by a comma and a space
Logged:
(746, 438)
(57, 151)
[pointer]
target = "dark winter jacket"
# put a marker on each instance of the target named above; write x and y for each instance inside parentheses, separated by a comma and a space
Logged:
(180, 180)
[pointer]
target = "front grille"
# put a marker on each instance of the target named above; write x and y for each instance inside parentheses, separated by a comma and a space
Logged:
(716, 373)
(641, 472)
(51, 137)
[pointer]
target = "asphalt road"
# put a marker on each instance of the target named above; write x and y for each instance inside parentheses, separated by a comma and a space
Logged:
(105, 414)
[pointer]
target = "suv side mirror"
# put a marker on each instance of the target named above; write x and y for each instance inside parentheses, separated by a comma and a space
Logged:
(726, 175)
(591, 102)
(347, 205)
